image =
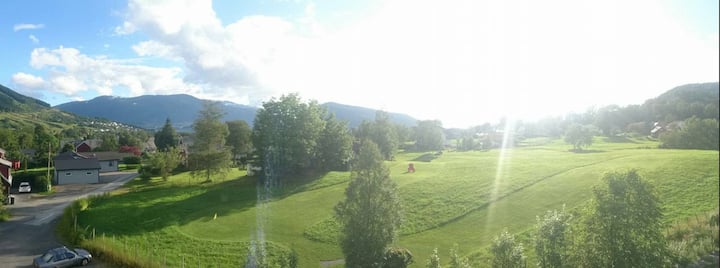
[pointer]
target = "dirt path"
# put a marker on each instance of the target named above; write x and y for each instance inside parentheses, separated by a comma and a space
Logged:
(30, 231)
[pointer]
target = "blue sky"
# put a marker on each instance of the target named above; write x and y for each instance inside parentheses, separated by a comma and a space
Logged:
(463, 62)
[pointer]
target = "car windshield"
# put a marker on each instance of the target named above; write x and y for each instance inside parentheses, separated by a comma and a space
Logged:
(48, 256)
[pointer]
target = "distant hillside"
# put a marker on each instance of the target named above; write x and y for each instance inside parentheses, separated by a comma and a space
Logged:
(701, 100)
(354, 115)
(150, 111)
(18, 111)
(11, 101)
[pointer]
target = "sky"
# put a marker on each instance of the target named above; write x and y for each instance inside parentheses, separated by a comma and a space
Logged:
(463, 62)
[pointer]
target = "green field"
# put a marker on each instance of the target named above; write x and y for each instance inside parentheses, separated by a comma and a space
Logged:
(459, 197)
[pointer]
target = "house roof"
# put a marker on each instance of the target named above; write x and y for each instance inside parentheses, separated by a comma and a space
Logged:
(105, 156)
(75, 161)
(92, 143)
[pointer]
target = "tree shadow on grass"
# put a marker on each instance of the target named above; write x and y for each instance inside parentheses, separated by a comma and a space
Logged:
(618, 139)
(154, 206)
(581, 151)
(426, 157)
(152, 209)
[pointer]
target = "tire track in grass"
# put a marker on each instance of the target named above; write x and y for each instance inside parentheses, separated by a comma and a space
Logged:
(514, 191)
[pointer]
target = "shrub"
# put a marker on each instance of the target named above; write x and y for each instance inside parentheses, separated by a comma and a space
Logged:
(40, 183)
(506, 252)
(397, 258)
(131, 160)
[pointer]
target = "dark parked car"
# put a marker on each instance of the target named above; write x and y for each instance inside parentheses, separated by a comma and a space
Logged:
(63, 257)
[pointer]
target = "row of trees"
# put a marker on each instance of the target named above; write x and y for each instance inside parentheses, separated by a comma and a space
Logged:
(290, 135)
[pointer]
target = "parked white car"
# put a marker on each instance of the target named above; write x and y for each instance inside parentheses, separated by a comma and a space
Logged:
(24, 187)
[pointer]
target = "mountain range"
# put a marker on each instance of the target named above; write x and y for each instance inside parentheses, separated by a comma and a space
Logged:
(151, 111)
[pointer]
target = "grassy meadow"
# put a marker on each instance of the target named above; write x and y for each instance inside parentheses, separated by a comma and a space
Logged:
(457, 197)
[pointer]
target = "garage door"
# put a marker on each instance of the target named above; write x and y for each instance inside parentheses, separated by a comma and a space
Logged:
(78, 176)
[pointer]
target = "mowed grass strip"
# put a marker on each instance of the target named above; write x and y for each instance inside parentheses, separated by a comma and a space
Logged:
(458, 197)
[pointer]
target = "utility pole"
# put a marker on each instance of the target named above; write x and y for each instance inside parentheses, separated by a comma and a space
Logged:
(49, 181)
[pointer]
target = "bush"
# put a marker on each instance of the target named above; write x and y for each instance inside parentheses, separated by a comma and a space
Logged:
(4, 214)
(397, 258)
(131, 160)
(147, 172)
(40, 183)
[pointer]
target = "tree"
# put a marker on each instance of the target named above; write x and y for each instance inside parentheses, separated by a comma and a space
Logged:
(506, 253)
(579, 136)
(551, 239)
(334, 145)
(166, 137)
(285, 133)
(429, 135)
(434, 260)
(208, 153)
(130, 138)
(703, 134)
(239, 137)
(109, 142)
(68, 147)
(165, 161)
(623, 225)
(381, 132)
(370, 215)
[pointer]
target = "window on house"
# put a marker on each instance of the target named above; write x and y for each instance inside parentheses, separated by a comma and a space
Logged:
(89, 173)
(68, 173)
(110, 164)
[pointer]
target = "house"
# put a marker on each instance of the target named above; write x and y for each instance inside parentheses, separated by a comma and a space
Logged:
(6, 167)
(87, 145)
(72, 167)
(109, 161)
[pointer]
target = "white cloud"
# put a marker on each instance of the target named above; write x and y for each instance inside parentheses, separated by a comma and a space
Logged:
(34, 39)
(155, 49)
(456, 60)
(70, 72)
(27, 26)
(28, 81)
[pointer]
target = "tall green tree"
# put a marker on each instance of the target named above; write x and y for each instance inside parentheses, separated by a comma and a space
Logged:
(285, 133)
(506, 252)
(429, 135)
(109, 142)
(381, 132)
(335, 145)
(371, 214)
(239, 137)
(209, 155)
(552, 239)
(623, 225)
(166, 137)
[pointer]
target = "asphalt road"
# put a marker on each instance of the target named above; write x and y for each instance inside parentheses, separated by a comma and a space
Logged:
(31, 230)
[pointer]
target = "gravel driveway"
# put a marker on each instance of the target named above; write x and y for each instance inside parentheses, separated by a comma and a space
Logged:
(30, 231)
